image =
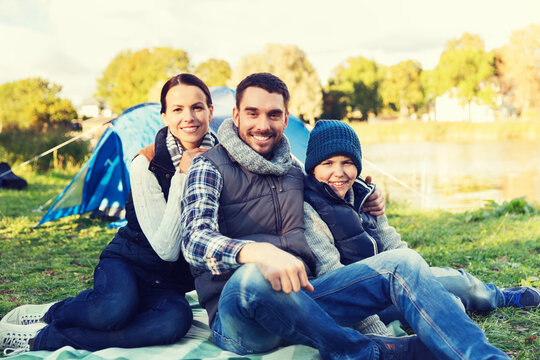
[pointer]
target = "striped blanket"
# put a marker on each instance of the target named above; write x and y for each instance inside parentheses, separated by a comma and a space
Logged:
(197, 344)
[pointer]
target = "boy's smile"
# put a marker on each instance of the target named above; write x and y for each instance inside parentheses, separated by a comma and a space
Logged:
(339, 172)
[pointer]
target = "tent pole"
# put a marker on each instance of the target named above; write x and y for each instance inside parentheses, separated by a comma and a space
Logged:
(54, 148)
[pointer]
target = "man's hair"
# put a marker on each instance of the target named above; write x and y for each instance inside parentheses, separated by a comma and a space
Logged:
(185, 79)
(266, 81)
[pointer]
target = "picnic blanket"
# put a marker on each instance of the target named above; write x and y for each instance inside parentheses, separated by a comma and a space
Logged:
(197, 344)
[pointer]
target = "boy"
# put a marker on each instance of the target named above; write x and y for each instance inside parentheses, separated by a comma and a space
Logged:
(339, 233)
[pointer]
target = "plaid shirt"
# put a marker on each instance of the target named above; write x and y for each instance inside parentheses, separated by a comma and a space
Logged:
(203, 246)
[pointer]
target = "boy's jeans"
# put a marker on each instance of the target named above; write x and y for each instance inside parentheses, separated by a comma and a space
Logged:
(252, 317)
(119, 311)
(473, 293)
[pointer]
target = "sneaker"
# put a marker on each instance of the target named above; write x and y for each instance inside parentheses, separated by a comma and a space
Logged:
(14, 338)
(401, 348)
(18, 347)
(525, 296)
(26, 314)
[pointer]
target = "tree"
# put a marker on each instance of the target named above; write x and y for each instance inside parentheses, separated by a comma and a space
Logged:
(33, 102)
(108, 81)
(401, 87)
(467, 69)
(291, 65)
(358, 79)
(519, 65)
(214, 72)
(335, 104)
(130, 77)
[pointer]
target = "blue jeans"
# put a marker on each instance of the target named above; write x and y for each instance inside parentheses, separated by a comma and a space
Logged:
(120, 311)
(252, 317)
(473, 293)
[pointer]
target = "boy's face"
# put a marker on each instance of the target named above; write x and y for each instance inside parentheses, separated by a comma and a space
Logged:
(339, 172)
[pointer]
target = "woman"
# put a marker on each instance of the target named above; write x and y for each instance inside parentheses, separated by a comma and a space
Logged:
(141, 279)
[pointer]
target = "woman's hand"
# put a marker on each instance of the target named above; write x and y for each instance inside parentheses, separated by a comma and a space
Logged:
(187, 158)
(375, 202)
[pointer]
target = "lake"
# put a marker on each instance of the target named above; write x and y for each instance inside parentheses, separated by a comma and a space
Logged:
(455, 176)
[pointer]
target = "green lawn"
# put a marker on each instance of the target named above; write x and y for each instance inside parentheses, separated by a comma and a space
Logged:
(499, 243)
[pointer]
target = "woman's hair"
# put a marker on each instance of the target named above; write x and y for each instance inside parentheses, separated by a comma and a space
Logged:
(185, 79)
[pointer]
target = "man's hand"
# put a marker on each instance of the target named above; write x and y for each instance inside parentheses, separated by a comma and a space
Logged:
(284, 271)
(187, 158)
(375, 202)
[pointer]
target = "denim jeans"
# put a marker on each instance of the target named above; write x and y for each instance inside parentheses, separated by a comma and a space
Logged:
(120, 311)
(473, 293)
(252, 317)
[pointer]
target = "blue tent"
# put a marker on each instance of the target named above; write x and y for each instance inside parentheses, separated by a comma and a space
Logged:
(102, 185)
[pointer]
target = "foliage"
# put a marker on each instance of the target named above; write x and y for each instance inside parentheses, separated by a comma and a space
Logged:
(131, 76)
(19, 145)
(214, 72)
(334, 105)
(33, 102)
(401, 86)
(466, 68)
(516, 206)
(519, 65)
(359, 80)
(108, 81)
(291, 65)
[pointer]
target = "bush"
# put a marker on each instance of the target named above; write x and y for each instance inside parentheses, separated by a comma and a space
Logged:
(516, 206)
(20, 145)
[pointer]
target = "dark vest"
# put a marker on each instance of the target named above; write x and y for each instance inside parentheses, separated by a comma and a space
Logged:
(354, 231)
(255, 207)
(131, 245)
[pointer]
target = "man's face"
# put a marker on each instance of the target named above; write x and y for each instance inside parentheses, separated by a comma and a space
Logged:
(261, 119)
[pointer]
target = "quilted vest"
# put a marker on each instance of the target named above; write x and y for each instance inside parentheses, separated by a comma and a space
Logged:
(255, 207)
(130, 243)
(354, 231)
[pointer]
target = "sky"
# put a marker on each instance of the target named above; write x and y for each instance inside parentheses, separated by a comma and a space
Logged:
(71, 42)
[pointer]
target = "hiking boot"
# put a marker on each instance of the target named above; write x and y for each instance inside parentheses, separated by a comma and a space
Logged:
(14, 338)
(26, 314)
(525, 296)
(401, 348)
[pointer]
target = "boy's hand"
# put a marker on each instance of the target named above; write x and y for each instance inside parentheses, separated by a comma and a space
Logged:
(374, 204)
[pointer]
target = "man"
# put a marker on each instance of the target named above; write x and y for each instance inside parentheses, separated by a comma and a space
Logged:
(244, 237)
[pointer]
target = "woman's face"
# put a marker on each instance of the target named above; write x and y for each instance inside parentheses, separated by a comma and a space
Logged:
(187, 115)
(339, 172)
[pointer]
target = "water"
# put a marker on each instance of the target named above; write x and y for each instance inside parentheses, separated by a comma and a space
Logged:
(455, 176)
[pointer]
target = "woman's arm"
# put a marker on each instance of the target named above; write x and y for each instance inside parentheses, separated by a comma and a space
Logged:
(159, 219)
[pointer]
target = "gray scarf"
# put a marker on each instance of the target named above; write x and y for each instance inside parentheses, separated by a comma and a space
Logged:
(176, 150)
(242, 153)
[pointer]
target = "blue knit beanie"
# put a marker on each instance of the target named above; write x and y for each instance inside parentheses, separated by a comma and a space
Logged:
(329, 138)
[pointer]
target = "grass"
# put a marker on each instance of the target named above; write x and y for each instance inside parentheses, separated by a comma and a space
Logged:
(19, 145)
(499, 243)
(56, 260)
